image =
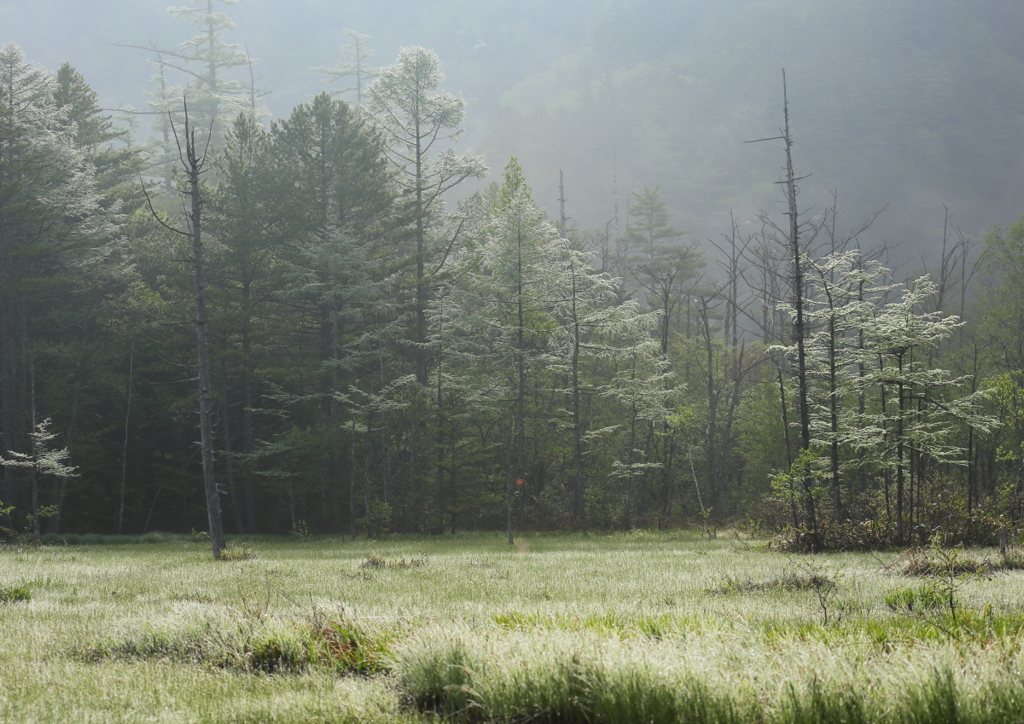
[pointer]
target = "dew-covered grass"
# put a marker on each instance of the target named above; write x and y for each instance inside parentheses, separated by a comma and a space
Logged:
(640, 626)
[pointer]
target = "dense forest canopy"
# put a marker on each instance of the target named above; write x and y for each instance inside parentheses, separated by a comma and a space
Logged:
(634, 318)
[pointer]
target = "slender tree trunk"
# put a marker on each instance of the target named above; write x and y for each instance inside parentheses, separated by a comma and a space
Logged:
(36, 530)
(334, 477)
(352, 479)
(229, 465)
(124, 447)
(443, 502)
(421, 282)
(61, 486)
(833, 409)
(248, 485)
(577, 425)
(899, 461)
(789, 448)
(366, 479)
(803, 407)
(520, 421)
(886, 472)
(193, 168)
(8, 372)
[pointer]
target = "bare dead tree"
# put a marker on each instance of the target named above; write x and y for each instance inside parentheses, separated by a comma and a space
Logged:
(193, 164)
(791, 237)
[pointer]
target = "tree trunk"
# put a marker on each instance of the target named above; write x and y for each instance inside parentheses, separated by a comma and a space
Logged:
(193, 168)
(803, 408)
(124, 448)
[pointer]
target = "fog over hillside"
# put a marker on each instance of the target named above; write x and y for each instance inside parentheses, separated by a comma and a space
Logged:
(910, 104)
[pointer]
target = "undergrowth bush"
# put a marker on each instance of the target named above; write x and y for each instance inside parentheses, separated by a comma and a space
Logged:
(864, 524)
(79, 539)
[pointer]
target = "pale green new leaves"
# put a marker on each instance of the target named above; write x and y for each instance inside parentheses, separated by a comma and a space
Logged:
(208, 47)
(214, 99)
(354, 67)
(859, 344)
(419, 121)
(44, 460)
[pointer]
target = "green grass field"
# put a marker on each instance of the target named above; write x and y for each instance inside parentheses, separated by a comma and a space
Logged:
(638, 627)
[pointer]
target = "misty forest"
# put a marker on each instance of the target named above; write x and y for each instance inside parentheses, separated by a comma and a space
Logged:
(593, 266)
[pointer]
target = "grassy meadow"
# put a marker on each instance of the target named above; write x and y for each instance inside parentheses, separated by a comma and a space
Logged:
(632, 627)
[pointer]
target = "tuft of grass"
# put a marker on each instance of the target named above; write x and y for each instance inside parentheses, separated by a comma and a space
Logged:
(14, 594)
(239, 552)
(941, 562)
(610, 622)
(1012, 560)
(787, 582)
(344, 645)
(377, 561)
(819, 704)
(928, 597)
(333, 642)
(526, 679)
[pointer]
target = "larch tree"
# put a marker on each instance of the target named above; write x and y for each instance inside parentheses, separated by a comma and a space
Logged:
(204, 62)
(596, 332)
(419, 122)
(353, 74)
(505, 295)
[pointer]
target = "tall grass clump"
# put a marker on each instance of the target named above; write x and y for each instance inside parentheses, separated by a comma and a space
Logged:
(14, 594)
(819, 705)
(573, 678)
(333, 642)
(556, 679)
(375, 560)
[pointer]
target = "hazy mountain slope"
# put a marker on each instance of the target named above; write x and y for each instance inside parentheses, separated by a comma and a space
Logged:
(914, 103)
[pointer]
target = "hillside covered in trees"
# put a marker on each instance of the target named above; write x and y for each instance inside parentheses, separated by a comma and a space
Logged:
(393, 337)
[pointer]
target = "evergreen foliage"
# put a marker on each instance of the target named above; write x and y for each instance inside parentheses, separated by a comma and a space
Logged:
(383, 363)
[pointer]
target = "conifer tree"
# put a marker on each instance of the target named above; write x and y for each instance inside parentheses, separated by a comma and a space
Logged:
(419, 122)
(52, 225)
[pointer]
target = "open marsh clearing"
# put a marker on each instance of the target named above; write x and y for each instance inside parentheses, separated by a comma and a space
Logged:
(645, 627)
